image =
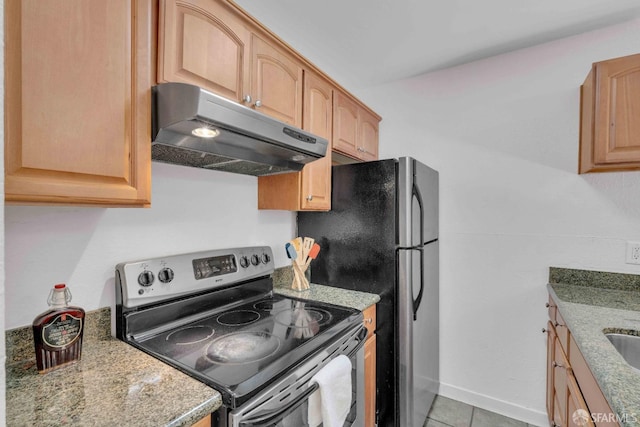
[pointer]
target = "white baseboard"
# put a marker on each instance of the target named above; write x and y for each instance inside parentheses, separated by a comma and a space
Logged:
(528, 415)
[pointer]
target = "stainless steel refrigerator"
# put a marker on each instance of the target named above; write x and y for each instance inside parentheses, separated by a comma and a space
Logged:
(381, 236)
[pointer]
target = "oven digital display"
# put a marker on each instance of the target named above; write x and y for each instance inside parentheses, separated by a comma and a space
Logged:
(215, 266)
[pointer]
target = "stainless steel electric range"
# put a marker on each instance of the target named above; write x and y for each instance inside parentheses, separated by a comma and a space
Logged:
(214, 316)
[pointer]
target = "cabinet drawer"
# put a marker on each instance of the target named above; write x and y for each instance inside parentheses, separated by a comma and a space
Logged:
(370, 320)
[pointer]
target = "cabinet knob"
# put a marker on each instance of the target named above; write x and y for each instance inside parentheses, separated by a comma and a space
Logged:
(547, 305)
(544, 330)
(247, 98)
(258, 104)
(360, 149)
(310, 197)
(368, 320)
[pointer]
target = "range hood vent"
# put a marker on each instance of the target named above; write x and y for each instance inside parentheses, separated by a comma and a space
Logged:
(194, 127)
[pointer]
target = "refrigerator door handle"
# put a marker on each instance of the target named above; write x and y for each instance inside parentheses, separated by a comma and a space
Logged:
(418, 197)
(418, 300)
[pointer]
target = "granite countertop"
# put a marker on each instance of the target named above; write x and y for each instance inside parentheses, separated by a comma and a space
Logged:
(592, 303)
(114, 384)
(283, 277)
(117, 384)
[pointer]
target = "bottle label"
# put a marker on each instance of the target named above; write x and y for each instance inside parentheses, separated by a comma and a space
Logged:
(62, 331)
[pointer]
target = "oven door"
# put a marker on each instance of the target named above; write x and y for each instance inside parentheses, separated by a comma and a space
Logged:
(286, 403)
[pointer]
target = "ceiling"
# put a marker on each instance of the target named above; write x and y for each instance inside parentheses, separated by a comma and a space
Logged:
(363, 43)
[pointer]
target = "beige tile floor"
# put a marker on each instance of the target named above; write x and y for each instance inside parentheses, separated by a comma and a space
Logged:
(446, 412)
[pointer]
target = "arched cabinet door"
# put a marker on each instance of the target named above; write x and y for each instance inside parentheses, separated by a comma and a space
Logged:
(309, 189)
(345, 126)
(205, 43)
(317, 119)
(276, 82)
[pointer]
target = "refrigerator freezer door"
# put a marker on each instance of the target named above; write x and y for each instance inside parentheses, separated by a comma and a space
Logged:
(418, 299)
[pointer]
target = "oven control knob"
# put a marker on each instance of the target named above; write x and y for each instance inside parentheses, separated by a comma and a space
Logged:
(165, 275)
(244, 262)
(255, 259)
(145, 278)
(266, 258)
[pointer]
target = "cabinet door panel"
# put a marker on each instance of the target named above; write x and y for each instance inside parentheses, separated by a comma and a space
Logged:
(78, 102)
(345, 127)
(618, 112)
(578, 413)
(317, 119)
(551, 394)
(276, 82)
(203, 43)
(368, 136)
(370, 381)
(560, 378)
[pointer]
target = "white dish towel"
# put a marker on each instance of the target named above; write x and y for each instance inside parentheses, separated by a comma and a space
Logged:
(330, 404)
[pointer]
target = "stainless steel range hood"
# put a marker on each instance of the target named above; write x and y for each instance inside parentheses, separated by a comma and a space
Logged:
(234, 138)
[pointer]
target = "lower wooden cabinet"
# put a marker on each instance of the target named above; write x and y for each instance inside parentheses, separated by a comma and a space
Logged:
(204, 422)
(573, 395)
(370, 367)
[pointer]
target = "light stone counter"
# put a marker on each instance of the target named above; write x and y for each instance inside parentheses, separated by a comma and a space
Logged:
(592, 303)
(328, 294)
(114, 384)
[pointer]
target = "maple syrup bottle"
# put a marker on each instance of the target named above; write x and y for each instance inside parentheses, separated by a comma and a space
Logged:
(57, 333)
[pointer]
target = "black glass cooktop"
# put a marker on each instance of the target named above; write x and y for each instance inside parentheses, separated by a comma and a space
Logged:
(237, 351)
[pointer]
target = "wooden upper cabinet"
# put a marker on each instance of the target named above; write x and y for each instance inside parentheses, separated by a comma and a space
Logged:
(355, 130)
(311, 188)
(203, 42)
(368, 135)
(610, 116)
(276, 82)
(212, 45)
(345, 129)
(317, 119)
(77, 102)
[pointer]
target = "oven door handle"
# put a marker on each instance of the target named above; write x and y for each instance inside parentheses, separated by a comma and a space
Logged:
(281, 413)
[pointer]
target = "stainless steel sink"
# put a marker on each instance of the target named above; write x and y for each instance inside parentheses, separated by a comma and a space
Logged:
(628, 346)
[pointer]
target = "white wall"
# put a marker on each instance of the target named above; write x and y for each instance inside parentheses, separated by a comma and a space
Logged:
(192, 209)
(503, 132)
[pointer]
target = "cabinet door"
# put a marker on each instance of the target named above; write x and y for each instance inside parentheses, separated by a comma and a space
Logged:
(551, 395)
(345, 126)
(203, 42)
(77, 103)
(309, 189)
(370, 381)
(610, 116)
(560, 373)
(617, 130)
(317, 118)
(368, 142)
(578, 413)
(276, 82)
